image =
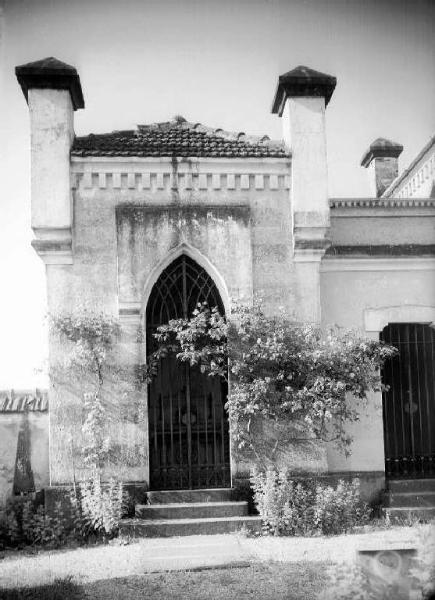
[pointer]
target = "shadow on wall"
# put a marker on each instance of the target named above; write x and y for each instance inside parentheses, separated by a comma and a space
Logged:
(23, 442)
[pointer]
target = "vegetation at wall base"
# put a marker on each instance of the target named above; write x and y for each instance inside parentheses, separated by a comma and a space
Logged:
(279, 369)
(307, 506)
(91, 514)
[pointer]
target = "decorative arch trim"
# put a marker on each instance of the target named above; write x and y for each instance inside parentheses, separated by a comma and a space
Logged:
(202, 261)
(375, 319)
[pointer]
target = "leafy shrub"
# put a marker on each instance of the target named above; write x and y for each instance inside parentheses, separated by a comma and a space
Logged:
(280, 369)
(100, 506)
(340, 509)
(308, 506)
(26, 523)
(93, 512)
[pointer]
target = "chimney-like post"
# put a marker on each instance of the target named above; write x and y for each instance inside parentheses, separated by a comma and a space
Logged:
(382, 160)
(53, 92)
(300, 99)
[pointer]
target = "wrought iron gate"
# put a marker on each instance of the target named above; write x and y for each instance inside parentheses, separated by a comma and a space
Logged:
(188, 425)
(409, 404)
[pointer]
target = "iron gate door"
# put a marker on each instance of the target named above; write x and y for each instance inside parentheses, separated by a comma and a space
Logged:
(409, 404)
(188, 424)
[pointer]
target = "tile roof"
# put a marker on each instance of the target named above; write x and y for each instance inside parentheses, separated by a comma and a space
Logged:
(23, 401)
(178, 138)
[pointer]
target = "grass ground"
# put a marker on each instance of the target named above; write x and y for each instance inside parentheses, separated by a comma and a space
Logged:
(270, 581)
(277, 568)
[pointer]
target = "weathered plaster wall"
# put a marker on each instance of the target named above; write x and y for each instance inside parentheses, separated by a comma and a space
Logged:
(349, 287)
(146, 235)
(10, 426)
(124, 226)
(369, 224)
(51, 119)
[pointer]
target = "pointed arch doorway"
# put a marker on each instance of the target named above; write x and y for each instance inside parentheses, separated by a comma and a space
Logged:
(188, 425)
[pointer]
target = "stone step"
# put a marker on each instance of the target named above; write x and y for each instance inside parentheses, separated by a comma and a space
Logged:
(191, 510)
(177, 527)
(403, 514)
(410, 499)
(411, 485)
(182, 496)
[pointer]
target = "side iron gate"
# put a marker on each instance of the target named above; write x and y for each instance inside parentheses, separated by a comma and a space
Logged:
(409, 404)
(188, 425)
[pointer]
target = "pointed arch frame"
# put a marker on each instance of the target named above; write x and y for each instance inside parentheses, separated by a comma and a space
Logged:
(202, 261)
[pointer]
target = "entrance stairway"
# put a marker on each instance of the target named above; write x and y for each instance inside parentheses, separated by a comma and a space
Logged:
(189, 512)
(410, 499)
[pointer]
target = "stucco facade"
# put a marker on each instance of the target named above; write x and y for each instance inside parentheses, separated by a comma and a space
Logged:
(258, 221)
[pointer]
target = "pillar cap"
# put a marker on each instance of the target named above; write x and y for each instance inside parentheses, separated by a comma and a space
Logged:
(302, 81)
(50, 73)
(381, 147)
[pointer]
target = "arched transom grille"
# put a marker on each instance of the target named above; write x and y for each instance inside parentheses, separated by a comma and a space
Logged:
(179, 289)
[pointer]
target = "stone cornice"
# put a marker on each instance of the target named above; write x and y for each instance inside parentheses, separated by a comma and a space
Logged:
(162, 177)
(336, 203)
(382, 250)
(54, 245)
(332, 264)
(221, 164)
(311, 244)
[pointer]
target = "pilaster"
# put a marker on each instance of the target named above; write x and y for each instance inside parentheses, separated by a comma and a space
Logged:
(53, 92)
(300, 100)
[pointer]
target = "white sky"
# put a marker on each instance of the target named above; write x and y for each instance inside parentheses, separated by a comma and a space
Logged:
(212, 62)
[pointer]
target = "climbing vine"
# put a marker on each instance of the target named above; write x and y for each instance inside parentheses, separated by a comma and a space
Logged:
(88, 361)
(278, 369)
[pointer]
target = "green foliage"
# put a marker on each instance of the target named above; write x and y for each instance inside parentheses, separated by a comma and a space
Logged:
(87, 365)
(100, 506)
(340, 509)
(92, 511)
(91, 336)
(26, 523)
(279, 369)
(306, 507)
(88, 362)
(91, 333)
